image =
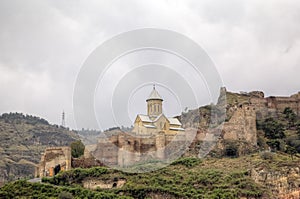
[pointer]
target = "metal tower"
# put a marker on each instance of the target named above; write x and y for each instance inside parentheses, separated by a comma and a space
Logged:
(63, 121)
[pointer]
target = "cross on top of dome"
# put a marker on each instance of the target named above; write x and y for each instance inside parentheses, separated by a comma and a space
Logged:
(154, 95)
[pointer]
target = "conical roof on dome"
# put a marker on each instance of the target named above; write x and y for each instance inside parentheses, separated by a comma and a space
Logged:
(154, 95)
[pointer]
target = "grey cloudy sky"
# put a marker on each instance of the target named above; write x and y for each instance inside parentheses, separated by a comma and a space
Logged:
(255, 44)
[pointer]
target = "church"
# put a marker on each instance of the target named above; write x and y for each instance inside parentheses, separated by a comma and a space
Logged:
(154, 137)
(155, 121)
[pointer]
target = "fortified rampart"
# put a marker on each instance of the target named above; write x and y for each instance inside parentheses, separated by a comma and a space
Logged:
(124, 149)
(271, 106)
(242, 125)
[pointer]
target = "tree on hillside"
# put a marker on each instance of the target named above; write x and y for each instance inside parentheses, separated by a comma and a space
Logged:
(274, 145)
(273, 129)
(298, 129)
(77, 149)
(290, 116)
(291, 150)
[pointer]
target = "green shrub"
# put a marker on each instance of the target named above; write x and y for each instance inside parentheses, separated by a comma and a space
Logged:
(75, 176)
(274, 145)
(290, 116)
(188, 161)
(273, 129)
(65, 195)
(267, 155)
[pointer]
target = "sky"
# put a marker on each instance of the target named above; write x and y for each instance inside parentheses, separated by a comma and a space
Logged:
(254, 44)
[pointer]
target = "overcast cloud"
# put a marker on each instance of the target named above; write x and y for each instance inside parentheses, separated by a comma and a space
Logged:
(255, 44)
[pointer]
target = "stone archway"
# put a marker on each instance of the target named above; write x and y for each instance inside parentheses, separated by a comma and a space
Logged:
(57, 169)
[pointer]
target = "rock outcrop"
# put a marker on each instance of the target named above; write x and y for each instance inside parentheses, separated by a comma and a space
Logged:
(93, 183)
(282, 184)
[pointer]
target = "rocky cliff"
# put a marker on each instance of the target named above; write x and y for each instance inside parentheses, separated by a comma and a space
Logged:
(282, 180)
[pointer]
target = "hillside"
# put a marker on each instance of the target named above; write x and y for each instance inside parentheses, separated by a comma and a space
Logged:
(186, 178)
(22, 140)
(256, 156)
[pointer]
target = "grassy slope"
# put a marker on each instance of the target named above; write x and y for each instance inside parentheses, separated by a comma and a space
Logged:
(186, 178)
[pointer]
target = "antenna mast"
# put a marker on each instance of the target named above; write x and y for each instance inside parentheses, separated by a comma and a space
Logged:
(63, 121)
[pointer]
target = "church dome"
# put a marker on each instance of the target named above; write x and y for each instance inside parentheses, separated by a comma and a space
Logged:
(154, 95)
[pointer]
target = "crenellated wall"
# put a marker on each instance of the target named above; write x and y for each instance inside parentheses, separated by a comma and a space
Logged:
(271, 106)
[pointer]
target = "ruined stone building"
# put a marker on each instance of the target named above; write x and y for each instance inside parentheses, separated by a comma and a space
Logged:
(54, 159)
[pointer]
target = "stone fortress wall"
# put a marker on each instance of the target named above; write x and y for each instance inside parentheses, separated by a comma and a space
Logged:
(122, 148)
(243, 110)
(270, 106)
(242, 125)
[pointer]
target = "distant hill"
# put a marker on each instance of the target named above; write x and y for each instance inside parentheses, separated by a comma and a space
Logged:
(22, 140)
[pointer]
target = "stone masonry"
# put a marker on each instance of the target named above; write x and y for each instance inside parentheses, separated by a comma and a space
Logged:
(54, 159)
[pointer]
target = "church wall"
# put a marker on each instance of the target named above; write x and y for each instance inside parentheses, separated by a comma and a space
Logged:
(160, 123)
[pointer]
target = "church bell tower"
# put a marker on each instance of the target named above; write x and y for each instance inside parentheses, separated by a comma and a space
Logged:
(154, 104)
